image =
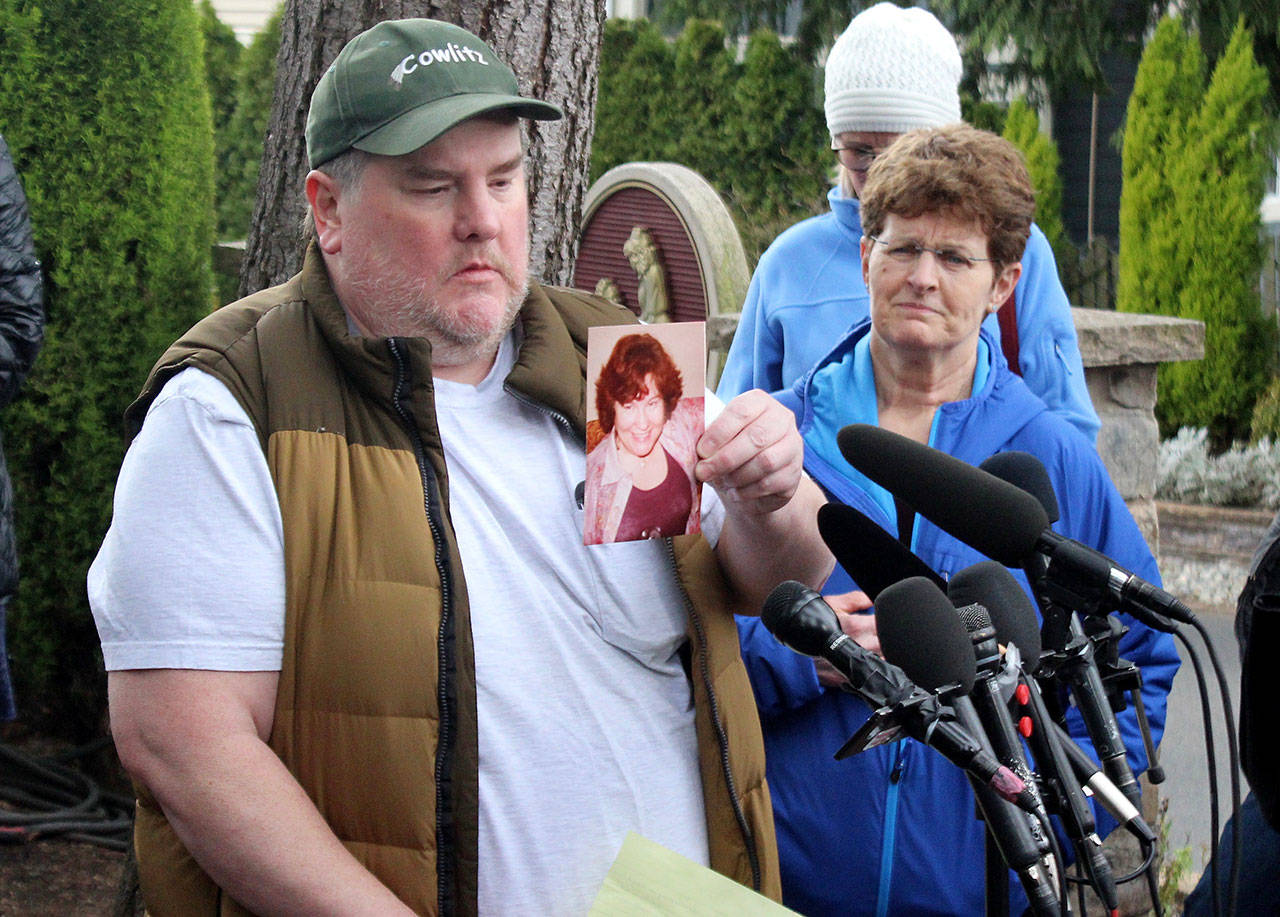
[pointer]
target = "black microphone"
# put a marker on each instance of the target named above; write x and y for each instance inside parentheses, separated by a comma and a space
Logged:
(919, 628)
(870, 555)
(1010, 527)
(1014, 620)
(1025, 471)
(1073, 651)
(803, 621)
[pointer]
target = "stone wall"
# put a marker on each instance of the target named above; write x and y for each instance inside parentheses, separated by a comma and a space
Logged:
(1121, 353)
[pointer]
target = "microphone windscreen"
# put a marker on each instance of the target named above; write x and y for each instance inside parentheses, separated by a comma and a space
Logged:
(997, 518)
(921, 634)
(1025, 471)
(799, 617)
(1012, 614)
(869, 554)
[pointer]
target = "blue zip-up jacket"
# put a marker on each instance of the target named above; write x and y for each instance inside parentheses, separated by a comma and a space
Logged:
(807, 291)
(892, 830)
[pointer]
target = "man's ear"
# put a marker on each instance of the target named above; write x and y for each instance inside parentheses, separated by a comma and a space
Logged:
(323, 196)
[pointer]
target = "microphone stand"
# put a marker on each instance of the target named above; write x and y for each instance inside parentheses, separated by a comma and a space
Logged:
(1061, 791)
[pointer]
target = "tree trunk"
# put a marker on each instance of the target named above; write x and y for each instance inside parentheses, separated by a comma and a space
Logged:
(552, 45)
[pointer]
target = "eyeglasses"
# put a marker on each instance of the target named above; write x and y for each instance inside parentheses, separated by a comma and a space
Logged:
(857, 158)
(906, 253)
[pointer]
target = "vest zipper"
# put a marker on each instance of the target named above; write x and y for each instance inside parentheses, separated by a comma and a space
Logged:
(444, 638)
(722, 739)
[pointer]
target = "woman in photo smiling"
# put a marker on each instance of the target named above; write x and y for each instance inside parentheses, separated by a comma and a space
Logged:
(640, 481)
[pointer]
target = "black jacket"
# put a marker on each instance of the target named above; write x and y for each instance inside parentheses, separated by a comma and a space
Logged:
(21, 332)
(1258, 630)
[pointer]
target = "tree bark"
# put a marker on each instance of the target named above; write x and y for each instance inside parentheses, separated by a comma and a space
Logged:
(552, 45)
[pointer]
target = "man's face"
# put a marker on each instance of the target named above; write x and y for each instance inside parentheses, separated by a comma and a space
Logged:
(435, 243)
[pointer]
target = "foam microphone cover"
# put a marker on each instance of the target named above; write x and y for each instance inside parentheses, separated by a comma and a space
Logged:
(793, 616)
(869, 554)
(921, 634)
(990, 585)
(999, 519)
(1024, 470)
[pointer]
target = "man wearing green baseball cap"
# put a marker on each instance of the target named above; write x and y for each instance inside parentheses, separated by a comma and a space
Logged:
(359, 658)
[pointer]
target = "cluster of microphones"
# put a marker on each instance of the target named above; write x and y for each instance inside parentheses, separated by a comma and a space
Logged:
(969, 669)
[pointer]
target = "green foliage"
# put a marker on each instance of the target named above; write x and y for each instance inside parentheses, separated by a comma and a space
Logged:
(1022, 129)
(221, 61)
(1043, 43)
(753, 129)
(980, 113)
(1218, 179)
(105, 107)
(1175, 864)
(700, 98)
(633, 121)
(815, 24)
(1265, 423)
(778, 138)
(1167, 91)
(1216, 21)
(246, 128)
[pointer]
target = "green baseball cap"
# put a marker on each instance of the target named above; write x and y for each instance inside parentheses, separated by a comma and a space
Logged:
(403, 83)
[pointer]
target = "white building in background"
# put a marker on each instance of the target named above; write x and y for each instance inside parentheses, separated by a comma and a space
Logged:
(247, 17)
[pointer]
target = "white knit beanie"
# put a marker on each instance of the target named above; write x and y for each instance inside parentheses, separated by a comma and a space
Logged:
(891, 71)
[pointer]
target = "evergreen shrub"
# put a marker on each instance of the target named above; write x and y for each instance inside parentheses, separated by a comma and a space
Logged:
(1195, 160)
(1022, 129)
(222, 52)
(1167, 91)
(1218, 184)
(752, 128)
(246, 129)
(105, 107)
(1265, 423)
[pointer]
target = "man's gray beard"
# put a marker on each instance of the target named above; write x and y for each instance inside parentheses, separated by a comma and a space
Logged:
(398, 306)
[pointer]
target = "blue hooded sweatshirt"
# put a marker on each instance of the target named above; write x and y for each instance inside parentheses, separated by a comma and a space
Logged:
(892, 830)
(807, 292)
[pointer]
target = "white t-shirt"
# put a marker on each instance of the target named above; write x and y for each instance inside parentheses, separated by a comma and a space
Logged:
(585, 714)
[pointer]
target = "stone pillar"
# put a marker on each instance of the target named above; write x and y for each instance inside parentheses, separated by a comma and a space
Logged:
(1121, 352)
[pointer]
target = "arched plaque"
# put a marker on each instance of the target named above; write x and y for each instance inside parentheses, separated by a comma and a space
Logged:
(674, 211)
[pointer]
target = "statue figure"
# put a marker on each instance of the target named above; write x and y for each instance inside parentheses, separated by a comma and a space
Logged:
(643, 255)
(607, 288)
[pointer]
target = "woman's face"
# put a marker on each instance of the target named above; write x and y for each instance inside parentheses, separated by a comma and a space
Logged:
(923, 301)
(638, 423)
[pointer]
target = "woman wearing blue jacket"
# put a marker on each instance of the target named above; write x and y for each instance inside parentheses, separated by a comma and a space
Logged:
(892, 830)
(892, 70)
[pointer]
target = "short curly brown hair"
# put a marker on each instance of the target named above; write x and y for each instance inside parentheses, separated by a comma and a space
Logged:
(968, 174)
(634, 357)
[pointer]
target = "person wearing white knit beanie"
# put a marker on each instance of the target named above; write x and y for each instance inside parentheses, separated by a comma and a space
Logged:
(892, 70)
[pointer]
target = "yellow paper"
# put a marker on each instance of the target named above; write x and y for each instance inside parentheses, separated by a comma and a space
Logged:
(648, 880)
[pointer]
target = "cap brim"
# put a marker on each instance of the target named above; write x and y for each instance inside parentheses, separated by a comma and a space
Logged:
(418, 127)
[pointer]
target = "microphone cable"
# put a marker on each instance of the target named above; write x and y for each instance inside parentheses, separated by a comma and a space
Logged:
(50, 798)
(1233, 753)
